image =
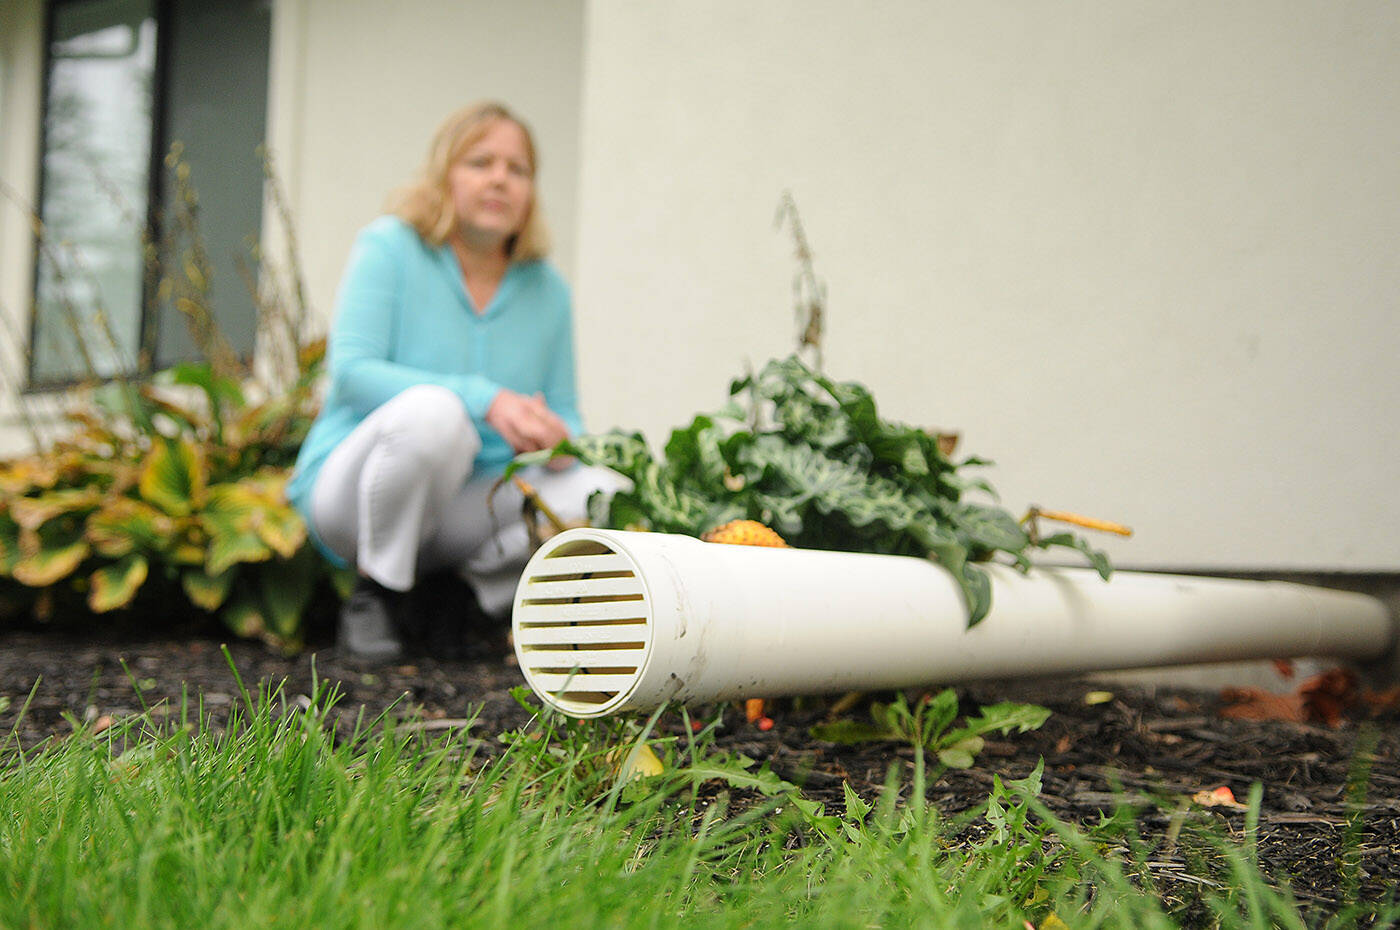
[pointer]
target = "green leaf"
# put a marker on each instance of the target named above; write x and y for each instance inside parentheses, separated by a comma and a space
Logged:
(174, 476)
(693, 454)
(220, 390)
(230, 544)
(244, 617)
(343, 581)
(287, 586)
(976, 586)
(991, 528)
(1007, 716)
(281, 528)
(736, 776)
(1096, 558)
(962, 755)
(9, 544)
(937, 714)
(205, 590)
(123, 525)
(856, 809)
(114, 586)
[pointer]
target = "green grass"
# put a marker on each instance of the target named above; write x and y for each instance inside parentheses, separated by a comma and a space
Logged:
(273, 820)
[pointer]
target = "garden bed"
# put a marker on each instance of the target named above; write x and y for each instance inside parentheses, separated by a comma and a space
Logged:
(1329, 818)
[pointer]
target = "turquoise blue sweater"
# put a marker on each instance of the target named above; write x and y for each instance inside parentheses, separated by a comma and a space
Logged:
(403, 317)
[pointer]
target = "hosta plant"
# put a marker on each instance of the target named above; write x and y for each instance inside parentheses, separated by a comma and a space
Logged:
(812, 458)
(189, 510)
(165, 494)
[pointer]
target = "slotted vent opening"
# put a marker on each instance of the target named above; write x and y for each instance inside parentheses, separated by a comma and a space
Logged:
(582, 625)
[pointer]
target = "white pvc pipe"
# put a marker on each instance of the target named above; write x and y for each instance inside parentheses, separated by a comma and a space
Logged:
(607, 620)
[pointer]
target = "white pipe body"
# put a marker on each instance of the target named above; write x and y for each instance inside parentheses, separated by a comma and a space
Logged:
(607, 620)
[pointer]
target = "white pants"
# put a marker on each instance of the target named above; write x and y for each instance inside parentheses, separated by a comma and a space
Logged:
(397, 500)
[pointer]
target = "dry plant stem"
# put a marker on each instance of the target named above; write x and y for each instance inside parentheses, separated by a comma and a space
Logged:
(808, 293)
(535, 501)
(13, 385)
(284, 216)
(278, 333)
(193, 303)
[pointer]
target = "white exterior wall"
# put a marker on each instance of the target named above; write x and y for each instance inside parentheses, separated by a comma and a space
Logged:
(1142, 254)
(21, 77)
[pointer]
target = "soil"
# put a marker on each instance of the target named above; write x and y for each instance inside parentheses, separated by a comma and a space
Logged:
(1329, 823)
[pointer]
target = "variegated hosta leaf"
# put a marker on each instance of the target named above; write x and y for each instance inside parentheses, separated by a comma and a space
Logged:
(257, 505)
(9, 544)
(281, 528)
(233, 501)
(50, 565)
(205, 590)
(287, 586)
(244, 616)
(30, 513)
(185, 552)
(114, 586)
(24, 475)
(231, 544)
(174, 476)
(124, 524)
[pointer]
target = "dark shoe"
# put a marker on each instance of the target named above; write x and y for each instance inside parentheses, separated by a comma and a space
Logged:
(448, 621)
(368, 625)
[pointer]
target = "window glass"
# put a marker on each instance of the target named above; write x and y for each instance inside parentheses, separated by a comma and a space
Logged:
(95, 189)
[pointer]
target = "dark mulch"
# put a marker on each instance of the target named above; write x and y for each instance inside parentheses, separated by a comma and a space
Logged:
(1148, 750)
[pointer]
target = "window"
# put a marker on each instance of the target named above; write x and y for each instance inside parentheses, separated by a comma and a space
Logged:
(125, 79)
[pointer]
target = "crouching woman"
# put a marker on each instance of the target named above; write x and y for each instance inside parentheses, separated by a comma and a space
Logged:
(451, 351)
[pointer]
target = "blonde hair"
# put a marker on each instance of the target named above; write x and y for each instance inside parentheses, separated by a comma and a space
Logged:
(424, 202)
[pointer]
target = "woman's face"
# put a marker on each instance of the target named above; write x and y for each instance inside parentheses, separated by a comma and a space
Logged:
(492, 185)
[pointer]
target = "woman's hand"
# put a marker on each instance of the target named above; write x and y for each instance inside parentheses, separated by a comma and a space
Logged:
(526, 423)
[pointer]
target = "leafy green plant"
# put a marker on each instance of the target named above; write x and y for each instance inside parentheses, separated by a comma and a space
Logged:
(172, 487)
(813, 459)
(928, 726)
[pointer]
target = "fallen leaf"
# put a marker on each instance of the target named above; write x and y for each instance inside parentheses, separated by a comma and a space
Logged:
(645, 763)
(1097, 697)
(1323, 698)
(1284, 667)
(1257, 704)
(1328, 695)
